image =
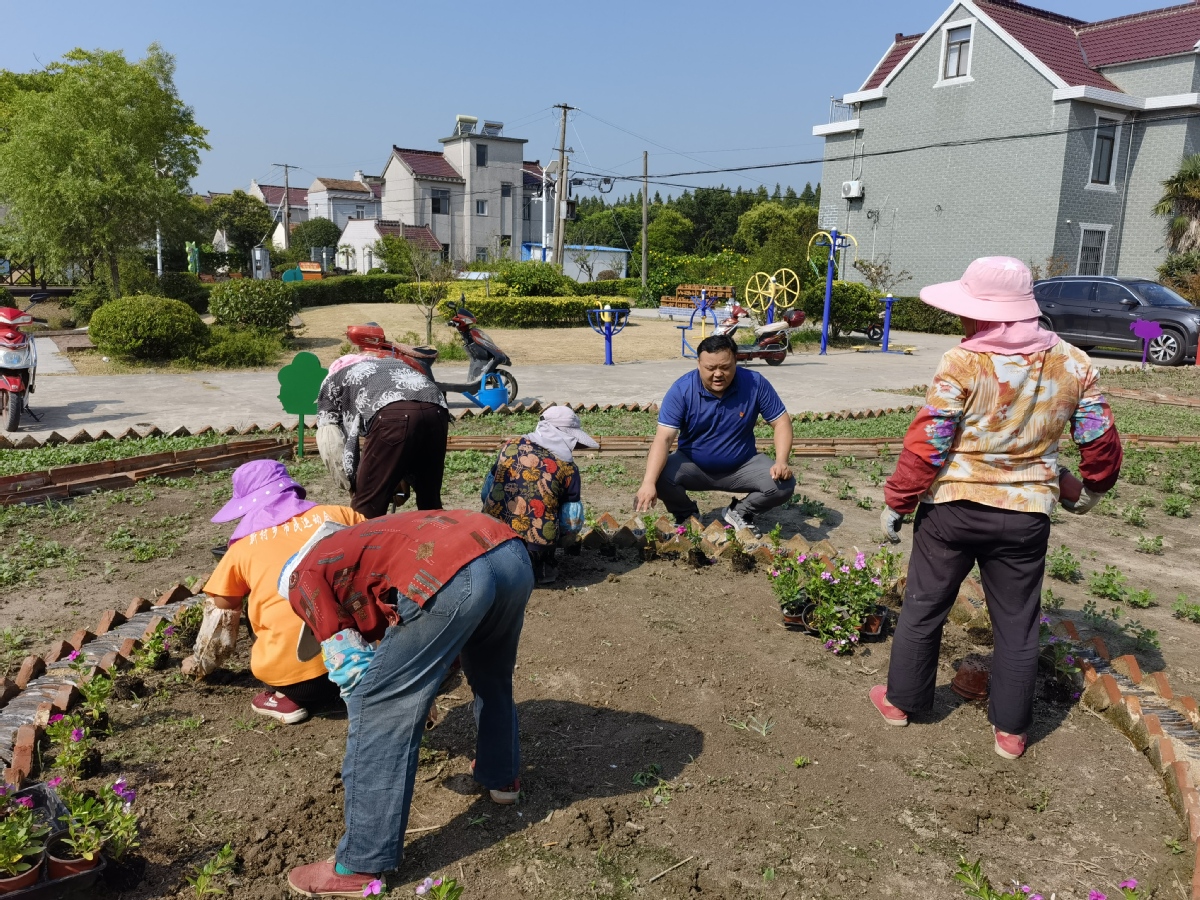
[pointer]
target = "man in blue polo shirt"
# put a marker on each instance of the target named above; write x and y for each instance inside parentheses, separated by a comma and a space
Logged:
(713, 410)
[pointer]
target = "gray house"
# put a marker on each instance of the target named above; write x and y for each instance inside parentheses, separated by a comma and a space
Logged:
(1010, 130)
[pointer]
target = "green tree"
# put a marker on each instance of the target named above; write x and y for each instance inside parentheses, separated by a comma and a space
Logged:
(1180, 204)
(395, 253)
(246, 221)
(94, 153)
(807, 196)
(670, 231)
(316, 232)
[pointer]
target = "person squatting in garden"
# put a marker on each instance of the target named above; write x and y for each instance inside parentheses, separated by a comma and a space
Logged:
(713, 410)
(276, 520)
(534, 486)
(389, 603)
(980, 468)
(405, 420)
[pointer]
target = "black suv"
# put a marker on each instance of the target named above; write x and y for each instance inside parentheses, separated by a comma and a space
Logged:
(1091, 311)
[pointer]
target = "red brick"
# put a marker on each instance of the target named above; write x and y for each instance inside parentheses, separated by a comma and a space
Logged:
(22, 759)
(113, 661)
(8, 690)
(1088, 671)
(1102, 693)
(1187, 706)
(1179, 774)
(109, 619)
(1162, 753)
(128, 647)
(1160, 685)
(152, 626)
(31, 668)
(66, 697)
(1128, 666)
(1110, 688)
(174, 595)
(1066, 629)
(1100, 647)
(79, 638)
(58, 650)
(1191, 805)
(41, 715)
(137, 605)
(1153, 726)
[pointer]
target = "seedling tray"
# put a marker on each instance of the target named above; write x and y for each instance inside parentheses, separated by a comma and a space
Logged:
(48, 808)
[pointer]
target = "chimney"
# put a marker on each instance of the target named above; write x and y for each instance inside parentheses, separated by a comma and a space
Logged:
(358, 175)
(899, 36)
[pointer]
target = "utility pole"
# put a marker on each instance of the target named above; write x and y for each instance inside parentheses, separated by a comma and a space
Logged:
(645, 215)
(563, 189)
(287, 207)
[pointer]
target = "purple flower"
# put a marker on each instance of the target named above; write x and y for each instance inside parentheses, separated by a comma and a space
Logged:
(73, 655)
(26, 802)
(1075, 695)
(1035, 897)
(1025, 889)
(826, 576)
(57, 717)
(424, 886)
(1096, 895)
(170, 631)
(1129, 884)
(54, 782)
(829, 645)
(373, 887)
(1045, 620)
(76, 734)
(860, 561)
(876, 581)
(679, 529)
(844, 569)
(1052, 640)
(1069, 659)
(122, 790)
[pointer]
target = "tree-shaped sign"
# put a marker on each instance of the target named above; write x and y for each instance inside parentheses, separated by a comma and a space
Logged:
(299, 383)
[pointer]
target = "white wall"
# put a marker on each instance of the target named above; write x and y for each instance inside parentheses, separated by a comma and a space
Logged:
(360, 235)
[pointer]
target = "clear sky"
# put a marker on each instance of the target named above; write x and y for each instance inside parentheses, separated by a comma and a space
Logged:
(330, 86)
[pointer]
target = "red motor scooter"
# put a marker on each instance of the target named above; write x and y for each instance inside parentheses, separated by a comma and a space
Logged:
(18, 360)
(771, 342)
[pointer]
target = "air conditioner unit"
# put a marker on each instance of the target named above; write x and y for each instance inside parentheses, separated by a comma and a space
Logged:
(852, 190)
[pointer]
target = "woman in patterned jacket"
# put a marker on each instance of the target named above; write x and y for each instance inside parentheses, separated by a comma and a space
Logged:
(534, 486)
(980, 469)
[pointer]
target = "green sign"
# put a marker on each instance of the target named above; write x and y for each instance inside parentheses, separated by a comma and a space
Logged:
(299, 383)
(293, 275)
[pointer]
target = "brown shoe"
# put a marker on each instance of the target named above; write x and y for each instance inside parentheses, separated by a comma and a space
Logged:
(322, 880)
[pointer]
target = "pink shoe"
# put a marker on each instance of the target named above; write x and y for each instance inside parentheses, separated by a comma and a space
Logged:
(505, 796)
(322, 880)
(1010, 746)
(893, 715)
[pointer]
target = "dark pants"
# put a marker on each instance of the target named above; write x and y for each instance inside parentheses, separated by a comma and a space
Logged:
(1010, 547)
(314, 693)
(405, 441)
(753, 478)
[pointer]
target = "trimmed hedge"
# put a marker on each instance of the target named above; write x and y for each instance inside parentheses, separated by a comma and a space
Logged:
(349, 289)
(186, 287)
(147, 327)
(250, 302)
(529, 312)
(910, 314)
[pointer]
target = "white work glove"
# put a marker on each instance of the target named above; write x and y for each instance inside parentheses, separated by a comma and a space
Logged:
(1087, 499)
(215, 642)
(890, 521)
(331, 444)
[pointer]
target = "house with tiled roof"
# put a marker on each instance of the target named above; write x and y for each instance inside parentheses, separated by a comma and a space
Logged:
(1007, 129)
(356, 247)
(477, 195)
(342, 199)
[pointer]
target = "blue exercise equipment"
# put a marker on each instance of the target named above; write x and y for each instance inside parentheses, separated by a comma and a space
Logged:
(607, 322)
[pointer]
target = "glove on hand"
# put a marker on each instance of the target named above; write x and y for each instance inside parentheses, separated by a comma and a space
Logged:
(215, 642)
(1087, 499)
(890, 521)
(347, 656)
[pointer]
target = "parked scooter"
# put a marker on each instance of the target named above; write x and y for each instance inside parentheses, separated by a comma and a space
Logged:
(771, 342)
(18, 360)
(486, 358)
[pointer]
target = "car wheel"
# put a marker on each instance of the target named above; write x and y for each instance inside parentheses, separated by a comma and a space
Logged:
(1086, 348)
(1045, 324)
(1167, 348)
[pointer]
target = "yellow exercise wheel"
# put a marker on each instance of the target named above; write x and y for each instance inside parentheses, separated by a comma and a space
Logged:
(781, 289)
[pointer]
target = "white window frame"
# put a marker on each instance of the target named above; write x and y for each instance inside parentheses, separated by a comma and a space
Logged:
(1111, 186)
(1093, 226)
(481, 207)
(942, 80)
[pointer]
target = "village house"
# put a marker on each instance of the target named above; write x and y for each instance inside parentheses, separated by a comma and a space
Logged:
(356, 247)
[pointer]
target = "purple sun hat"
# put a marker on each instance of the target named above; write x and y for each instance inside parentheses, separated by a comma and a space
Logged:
(264, 494)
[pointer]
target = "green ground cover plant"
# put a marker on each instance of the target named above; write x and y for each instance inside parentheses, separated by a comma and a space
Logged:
(1183, 609)
(1109, 585)
(1063, 565)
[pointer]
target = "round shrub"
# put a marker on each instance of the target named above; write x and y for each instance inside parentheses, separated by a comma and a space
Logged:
(851, 305)
(533, 278)
(237, 348)
(245, 302)
(186, 287)
(147, 327)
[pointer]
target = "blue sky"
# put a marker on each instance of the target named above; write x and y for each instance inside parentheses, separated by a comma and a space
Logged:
(331, 86)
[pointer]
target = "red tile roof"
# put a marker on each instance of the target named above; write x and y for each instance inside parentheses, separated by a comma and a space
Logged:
(273, 195)
(531, 174)
(427, 163)
(420, 236)
(1072, 49)
(344, 184)
(1158, 32)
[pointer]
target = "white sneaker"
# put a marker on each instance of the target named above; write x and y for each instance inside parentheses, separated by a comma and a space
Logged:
(732, 517)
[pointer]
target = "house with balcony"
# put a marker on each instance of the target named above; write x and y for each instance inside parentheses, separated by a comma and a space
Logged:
(1004, 129)
(342, 199)
(478, 195)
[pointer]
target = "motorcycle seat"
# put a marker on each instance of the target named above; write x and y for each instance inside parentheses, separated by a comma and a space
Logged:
(773, 328)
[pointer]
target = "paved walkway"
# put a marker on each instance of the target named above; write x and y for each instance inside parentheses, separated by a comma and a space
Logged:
(50, 360)
(842, 380)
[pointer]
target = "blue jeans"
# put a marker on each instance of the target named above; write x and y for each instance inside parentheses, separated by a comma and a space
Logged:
(478, 614)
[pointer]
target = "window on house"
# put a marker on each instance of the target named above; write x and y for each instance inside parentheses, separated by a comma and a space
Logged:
(359, 211)
(505, 189)
(441, 203)
(526, 211)
(1091, 251)
(445, 253)
(481, 155)
(481, 254)
(958, 52)
(1103, 148)
(481, 207)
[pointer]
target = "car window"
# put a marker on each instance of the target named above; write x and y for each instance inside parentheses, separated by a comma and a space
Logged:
(1157, 294)
(1075, 290)
(1110, 294)
(1047, 290)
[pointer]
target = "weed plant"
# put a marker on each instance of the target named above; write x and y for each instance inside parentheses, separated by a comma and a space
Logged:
(1063, 565)
(1109, 585)
(1151, 545)
(1189, 612)
(1178, 506)
(1141, 599)
(1050, 600)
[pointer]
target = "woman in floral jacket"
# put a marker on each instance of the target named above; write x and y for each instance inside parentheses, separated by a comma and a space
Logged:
(534, 486)
(980, 468)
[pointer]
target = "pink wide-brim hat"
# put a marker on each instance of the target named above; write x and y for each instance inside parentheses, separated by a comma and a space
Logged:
(993, 289)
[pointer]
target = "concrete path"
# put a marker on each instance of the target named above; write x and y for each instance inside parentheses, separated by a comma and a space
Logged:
(50, 360)
(842, 380)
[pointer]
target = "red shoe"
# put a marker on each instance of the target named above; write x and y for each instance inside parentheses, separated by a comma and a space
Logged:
(277, 706)
(506, 796)
(1010, 746)
(322, 880)
(893, 715)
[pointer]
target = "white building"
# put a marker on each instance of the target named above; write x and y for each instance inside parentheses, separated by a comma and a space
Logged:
(272, 195)
(340, 200)
(584, 262)
(356, 246)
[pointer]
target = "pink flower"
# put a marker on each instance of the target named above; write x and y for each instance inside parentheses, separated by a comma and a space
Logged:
(876, 581)
(26, 802)
(373, 887)
(802, 557)
(57, 717)
(860, 561)
(76, 734)
(774, 573)
(1035, 897)
(844, 569)
(1025, 889)
(1129, 884)
(424, 886)
(54, 782)
(1096, 895)
(73, 655)
(679, 529)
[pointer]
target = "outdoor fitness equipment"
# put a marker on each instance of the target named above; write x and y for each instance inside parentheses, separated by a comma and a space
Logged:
(706, 311)
(836, 243)
(768, 294)
(607, 322)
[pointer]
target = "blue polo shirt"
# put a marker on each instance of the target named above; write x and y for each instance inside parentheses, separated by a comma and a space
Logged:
(717, 433)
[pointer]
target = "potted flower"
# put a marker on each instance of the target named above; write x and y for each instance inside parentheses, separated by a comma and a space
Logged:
(695, 555)
(125, 870)
(22, 842)
(77, 849)
(650, 544)
(739, 559)
(789, 578)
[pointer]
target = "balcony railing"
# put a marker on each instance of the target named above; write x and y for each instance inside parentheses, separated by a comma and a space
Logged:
(839, 111)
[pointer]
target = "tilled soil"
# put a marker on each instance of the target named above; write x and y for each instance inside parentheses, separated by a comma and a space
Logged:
(664, 715)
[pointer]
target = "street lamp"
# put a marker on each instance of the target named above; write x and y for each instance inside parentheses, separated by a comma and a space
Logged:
(550, 169)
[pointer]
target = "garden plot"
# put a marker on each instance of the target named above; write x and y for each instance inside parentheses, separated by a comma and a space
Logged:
(665, 717)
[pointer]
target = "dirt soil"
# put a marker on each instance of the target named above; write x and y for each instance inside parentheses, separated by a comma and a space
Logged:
(649, 671)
